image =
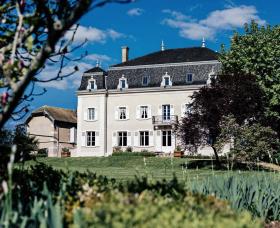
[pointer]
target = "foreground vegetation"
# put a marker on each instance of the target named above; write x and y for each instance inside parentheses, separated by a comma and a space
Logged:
(42, 196)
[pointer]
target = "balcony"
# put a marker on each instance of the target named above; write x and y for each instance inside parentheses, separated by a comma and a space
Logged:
(165, 121)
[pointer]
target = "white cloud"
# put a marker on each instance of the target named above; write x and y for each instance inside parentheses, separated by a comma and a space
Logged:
(95, 57)
(135, 12)
(71, 82)
(216, 21)
(93, 35)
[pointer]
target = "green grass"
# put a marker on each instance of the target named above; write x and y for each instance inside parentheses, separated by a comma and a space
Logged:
(126, 168)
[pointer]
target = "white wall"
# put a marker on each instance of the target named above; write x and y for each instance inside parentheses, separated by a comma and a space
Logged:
(131, 99)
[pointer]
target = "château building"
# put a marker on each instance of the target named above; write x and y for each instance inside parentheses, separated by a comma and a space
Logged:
(138, 102)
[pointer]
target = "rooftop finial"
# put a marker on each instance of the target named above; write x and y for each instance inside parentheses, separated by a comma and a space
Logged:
(203, 43)
(162, 46)
(97, 63)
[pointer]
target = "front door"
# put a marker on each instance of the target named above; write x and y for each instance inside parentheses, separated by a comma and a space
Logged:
(166, 113)
(167, 140)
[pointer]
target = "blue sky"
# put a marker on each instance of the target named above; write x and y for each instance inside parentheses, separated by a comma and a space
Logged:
(143, 24)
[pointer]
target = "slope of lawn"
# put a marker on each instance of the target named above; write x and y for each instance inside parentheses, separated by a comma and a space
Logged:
(127, 167)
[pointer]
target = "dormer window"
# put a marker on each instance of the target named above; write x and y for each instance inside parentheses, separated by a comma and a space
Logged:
(166, 80)
(189, 78)
(145, 80)
(123, 83)
(92, 84)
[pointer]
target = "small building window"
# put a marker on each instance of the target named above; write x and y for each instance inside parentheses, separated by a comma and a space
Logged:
(123, 83)
(166, 80)
(144, 112)
(122, 113)
(144, 138)
(189, 77)
(91, 113)
(92, 84)
(122, 138)
(145, 80)
(91, 138)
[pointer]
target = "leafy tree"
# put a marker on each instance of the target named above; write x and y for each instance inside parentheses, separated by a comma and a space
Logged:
(250, 142)
(31, 33)
(26, 144)
(237, 95)
(257, 52)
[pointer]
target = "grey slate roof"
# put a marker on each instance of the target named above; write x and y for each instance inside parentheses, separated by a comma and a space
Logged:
(177, 55)
(95, 70)
(134, 74)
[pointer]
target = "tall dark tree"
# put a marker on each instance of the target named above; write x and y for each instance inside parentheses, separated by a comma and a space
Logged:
(237, 95)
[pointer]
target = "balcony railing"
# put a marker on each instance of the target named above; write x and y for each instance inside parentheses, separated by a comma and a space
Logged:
(165, 120)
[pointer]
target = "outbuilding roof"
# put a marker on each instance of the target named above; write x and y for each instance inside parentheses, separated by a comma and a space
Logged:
(56, 113)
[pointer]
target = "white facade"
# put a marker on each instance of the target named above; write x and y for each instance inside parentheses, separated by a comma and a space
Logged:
(107, 123)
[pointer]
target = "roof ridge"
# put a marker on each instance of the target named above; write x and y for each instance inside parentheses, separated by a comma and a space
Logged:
(47, 106)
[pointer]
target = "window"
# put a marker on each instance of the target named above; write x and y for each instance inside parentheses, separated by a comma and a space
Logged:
(122, 138)
(189, 77)
(91, 138)
(145, 80)
(122, 83)
(166, 112)
(122, 113)
(166, 81)
(144, 112)
(92, 84)
(91, 113)
(166, 138)
(144, 138)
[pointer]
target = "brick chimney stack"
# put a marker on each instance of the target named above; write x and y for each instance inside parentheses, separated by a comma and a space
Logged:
(125, 51)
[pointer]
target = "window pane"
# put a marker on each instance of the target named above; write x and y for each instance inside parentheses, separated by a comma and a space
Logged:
(147, 139)
(189, 77)
(166, 81)
(169, 138)
(164, 138)
(123, 84)
(92, 85)
(145, 80)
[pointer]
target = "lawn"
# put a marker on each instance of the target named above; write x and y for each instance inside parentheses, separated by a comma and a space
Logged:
(126, 168)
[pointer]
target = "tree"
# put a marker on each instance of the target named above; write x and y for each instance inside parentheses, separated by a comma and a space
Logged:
(31, 34)
(237, 95)
(250, 142)
(257, 52)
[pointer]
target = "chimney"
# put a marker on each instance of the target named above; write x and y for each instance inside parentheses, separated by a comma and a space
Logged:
(125, 51)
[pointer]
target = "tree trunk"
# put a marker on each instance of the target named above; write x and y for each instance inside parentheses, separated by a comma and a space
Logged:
(218, 162)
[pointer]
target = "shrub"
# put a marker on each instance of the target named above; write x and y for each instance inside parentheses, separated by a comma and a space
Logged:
(129, 149)
(117, 149)
(42, 152)
(143, 154)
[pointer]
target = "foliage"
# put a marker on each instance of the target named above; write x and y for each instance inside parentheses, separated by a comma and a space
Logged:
(32, 35)
(42, 152)
(238, 95)
(249, 142)
(142, 153)
(129, 149)
(84, 199)
(257, 52)
(260, 194)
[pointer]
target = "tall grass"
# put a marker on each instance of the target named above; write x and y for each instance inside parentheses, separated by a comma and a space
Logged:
(260, 194)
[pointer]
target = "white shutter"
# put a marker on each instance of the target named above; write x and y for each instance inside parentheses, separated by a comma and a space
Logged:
(129, 139)
(114, 139)
(136, 138)
(83, 138)
(138, 112)
(160, 110)
(183, 110)
(158, 141)
(173, 139)
(127, 113)
(86, 114)
(149, 111)
(172, 110)
(116, 113)
(96, 113)
(72, 135)
(97, 138)
(151, 138)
